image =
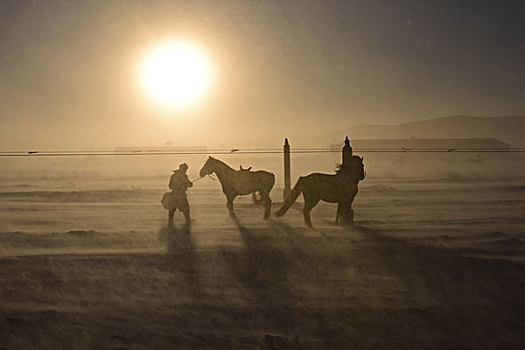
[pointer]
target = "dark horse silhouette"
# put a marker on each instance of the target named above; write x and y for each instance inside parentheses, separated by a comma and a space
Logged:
(340, 188)
(241, 182)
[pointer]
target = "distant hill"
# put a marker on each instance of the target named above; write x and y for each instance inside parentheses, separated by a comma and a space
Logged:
(510, 130)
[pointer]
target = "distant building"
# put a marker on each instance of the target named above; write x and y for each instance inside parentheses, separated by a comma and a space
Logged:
(425, 144)
(162, 149)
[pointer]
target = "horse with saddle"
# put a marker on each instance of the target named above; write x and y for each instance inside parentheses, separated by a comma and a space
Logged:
(340, 188)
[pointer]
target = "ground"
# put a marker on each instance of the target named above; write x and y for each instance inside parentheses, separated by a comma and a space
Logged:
(427, 265)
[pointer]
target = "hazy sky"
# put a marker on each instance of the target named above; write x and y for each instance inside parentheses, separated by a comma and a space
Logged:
(68, 68)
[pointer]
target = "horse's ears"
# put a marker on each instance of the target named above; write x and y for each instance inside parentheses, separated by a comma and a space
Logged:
(362, 158)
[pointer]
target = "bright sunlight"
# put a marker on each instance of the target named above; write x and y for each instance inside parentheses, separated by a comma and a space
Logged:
(176, 74)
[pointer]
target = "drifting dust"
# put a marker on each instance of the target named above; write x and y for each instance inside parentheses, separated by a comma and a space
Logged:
(429, 264)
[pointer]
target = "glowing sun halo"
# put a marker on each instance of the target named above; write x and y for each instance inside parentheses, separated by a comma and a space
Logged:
(176, 74)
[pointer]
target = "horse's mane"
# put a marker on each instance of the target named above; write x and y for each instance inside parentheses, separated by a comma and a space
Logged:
(355, 164)
(342, 168)
(221, 162)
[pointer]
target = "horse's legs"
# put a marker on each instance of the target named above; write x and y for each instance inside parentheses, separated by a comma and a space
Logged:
(170, 217)
(229, 205)
(338, 214)
(309, 203)
(267, 204)
(346, 215)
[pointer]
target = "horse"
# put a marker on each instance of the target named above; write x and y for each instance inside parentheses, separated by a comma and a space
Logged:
(241, 182)
(340, 188)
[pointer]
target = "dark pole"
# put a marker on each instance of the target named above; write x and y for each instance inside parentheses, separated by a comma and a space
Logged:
(347, 151)
(347, 214)
(287, 181)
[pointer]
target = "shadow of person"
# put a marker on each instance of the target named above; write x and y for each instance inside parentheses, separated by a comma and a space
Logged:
(181, 255)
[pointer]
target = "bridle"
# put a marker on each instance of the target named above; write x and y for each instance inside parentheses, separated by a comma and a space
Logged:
(202, 177)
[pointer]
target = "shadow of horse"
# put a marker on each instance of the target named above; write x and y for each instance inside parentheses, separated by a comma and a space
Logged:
(261, 268)
(471, 299)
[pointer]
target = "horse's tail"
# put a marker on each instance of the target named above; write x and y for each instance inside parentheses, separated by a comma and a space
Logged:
(290, 199)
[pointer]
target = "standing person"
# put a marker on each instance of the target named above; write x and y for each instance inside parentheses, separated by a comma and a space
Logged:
(179, 183)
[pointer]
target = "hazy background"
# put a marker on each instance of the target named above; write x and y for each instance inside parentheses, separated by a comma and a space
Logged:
(68, 68)
(438, 243)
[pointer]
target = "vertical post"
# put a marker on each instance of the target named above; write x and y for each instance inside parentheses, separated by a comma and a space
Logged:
(347, 151)
(347, 214)
(287, 176)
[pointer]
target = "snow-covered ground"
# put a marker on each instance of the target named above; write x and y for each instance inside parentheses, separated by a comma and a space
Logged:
(436, 258)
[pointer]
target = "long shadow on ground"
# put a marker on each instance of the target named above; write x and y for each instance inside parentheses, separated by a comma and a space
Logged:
(289, 276)
(261, 267)
(405, 295)
(457, 302)
(181, 257)
(364, 290)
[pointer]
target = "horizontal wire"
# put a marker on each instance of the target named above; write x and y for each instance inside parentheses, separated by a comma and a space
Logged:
(239, 151)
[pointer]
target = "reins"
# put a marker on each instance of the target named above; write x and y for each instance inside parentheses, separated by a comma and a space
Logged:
(202, 177)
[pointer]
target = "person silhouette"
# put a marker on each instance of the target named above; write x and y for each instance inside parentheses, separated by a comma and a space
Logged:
(179, 184)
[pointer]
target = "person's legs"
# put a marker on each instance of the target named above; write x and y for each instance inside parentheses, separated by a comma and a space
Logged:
(184, 206)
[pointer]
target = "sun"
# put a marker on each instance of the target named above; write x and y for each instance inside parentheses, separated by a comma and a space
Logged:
(176, 74)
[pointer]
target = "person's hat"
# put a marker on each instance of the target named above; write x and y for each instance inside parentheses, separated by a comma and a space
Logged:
(183, 166)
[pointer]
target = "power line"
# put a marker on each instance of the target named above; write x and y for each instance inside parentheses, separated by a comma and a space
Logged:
(65, 153)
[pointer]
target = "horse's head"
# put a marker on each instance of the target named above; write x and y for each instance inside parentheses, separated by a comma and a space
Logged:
(354, 168)
(208, 167)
